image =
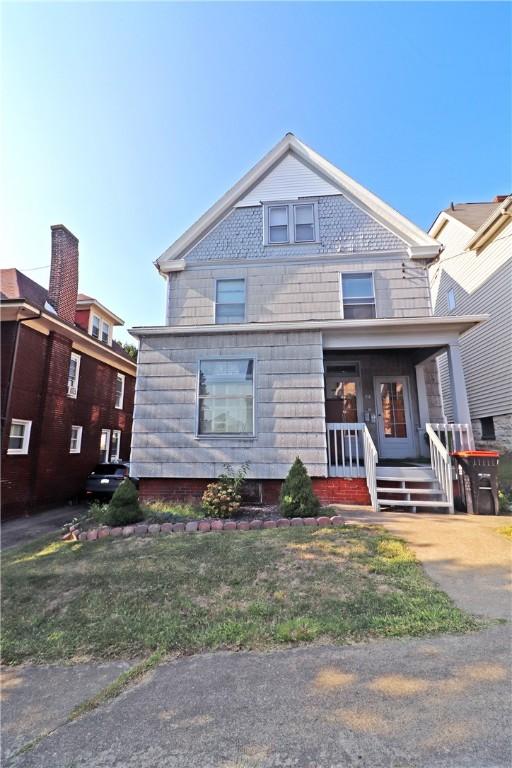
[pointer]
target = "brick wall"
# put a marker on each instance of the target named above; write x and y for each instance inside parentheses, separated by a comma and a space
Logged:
(330, 490)
(49, 473)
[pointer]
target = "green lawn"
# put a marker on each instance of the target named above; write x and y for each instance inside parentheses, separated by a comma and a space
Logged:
(190, 593)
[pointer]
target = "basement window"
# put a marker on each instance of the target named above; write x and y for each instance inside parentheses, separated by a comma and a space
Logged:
(19, 436)
(487, 426)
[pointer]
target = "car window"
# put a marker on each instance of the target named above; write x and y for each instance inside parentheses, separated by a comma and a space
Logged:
(108, 469)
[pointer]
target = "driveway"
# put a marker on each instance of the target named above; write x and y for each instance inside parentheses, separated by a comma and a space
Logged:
(441, 702)
(21, 530)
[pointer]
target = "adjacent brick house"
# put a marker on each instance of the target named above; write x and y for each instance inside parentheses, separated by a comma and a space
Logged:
(67, 388)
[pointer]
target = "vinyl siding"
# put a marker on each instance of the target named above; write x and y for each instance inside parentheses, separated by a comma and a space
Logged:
(288, 180)
(289, 406)
(482, 283)
(282, 292)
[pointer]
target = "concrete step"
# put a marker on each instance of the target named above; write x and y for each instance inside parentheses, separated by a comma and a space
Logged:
(402, 503)
(419, 491)
(405, 473)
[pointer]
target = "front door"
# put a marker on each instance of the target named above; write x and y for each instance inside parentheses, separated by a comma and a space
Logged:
(396, 438)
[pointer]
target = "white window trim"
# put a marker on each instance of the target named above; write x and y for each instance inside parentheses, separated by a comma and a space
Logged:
(118, 433)
(122, 377)
(98, 318)
(225, 280)
(26, 438)
(353, 274)
(73, 388)
(226, 435)
(107, 451)
(290, 205)
(109, 332)
(78, 447)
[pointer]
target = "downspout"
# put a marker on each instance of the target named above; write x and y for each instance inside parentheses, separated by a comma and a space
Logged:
(12, 367)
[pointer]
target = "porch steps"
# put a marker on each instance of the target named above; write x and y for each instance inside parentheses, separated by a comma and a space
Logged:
(399, 486)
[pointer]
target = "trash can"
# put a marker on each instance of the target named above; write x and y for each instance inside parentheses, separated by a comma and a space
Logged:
(478, 481)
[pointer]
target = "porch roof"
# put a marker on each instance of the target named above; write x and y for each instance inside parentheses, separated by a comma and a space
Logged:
(348, 334)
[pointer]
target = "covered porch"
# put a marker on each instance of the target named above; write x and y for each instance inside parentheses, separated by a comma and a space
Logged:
(384, 414)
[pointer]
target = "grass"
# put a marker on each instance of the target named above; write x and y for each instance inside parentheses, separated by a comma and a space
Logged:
(65, 601)
(506, 531)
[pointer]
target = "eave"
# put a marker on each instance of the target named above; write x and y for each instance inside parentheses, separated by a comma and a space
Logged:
(491, 226)
(377, 327)
(44, 322)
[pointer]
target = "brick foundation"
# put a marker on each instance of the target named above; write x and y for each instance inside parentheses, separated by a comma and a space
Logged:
(330, 490)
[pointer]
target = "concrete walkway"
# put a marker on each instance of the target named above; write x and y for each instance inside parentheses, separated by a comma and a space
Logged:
(464, 554)
(441, 702)
(21, 530)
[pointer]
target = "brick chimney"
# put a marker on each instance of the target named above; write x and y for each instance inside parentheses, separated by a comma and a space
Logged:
(63, 288)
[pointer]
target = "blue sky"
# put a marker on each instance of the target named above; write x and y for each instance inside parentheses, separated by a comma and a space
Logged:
(126, 121)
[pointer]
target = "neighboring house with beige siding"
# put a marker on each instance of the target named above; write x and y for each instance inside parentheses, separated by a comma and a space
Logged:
(298, 322)
(473, 274)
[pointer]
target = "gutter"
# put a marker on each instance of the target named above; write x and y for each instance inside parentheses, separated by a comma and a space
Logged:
(375, 324)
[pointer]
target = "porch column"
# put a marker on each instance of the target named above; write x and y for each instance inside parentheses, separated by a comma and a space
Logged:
(421, 388)
(460, 403)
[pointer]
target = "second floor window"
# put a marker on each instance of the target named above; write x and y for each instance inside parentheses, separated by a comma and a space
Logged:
(105, 332)
(290, 223)
(230, 301)
(95, 326)
(357, 296)
(119, 390)
(73, 374)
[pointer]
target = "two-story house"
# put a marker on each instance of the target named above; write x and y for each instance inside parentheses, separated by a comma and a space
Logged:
(67, 387)
(299, 323)
(473, 273)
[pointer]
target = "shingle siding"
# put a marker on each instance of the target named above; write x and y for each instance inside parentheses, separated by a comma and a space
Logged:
(343, 228)
(299, 291)
(289, 410)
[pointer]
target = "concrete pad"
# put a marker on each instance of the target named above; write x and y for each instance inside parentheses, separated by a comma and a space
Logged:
(426, 703)
(36, 699)
(463, 554)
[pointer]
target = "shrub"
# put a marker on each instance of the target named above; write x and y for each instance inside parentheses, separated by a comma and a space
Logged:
(223, 497)
(124, 506)
(297, 498)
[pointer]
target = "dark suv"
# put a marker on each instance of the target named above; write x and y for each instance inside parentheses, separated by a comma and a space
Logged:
(106, 478)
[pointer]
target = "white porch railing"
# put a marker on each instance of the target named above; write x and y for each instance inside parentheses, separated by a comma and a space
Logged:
(456, 437)
(370, 465)
(441, 463)
(344, 450)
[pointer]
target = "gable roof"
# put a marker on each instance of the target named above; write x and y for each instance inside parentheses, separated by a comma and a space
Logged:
(418, 243)
(15, 285)
(472, 215)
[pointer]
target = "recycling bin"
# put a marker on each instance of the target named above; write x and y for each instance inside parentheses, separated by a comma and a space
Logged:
(478, 481)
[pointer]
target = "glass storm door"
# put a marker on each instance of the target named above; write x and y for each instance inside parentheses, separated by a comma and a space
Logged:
(396, 439)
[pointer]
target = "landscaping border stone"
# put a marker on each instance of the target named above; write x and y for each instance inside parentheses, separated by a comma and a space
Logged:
(205, 526)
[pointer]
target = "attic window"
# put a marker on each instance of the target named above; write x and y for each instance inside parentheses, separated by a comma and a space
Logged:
(290, 223)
